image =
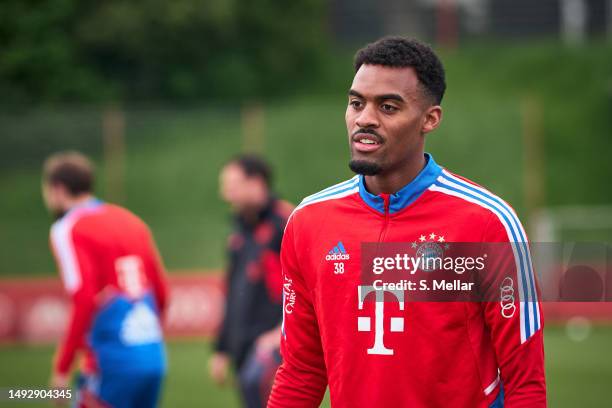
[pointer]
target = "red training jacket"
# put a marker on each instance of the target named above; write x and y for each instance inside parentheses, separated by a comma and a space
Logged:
(393, 353)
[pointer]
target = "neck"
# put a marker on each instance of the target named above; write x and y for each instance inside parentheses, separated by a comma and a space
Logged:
(251, 212)
(394, 180)
(77, 200)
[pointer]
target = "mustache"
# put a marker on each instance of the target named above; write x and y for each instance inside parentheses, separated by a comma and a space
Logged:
(370, 132)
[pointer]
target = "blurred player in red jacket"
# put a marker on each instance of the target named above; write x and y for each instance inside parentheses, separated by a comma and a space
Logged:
(250, 333)
(112, 271)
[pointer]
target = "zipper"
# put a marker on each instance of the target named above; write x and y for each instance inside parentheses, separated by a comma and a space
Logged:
(383, 230)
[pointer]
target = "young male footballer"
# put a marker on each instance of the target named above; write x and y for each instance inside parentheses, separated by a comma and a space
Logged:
(112, 271)
(380, 351)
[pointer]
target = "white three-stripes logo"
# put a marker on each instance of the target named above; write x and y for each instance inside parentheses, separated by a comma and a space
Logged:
(529, 311)
(340, 190)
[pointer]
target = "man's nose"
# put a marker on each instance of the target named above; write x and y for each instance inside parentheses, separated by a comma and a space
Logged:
(368, 117)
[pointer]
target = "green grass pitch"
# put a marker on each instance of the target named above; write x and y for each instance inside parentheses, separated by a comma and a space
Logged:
(579, 374)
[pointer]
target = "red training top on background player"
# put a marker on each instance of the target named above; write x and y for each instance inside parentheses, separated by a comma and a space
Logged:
(110, 267)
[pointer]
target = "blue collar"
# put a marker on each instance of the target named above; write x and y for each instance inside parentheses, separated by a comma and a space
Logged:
(408, 194)
(91, 203)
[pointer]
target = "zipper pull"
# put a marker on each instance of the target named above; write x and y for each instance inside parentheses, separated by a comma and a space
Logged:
(386, 198)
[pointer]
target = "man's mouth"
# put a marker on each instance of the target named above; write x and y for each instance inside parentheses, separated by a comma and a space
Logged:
(365, 142)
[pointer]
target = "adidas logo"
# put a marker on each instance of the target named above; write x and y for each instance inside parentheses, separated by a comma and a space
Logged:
(337, 253)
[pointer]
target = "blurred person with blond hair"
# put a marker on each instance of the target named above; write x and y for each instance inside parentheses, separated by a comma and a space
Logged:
(249, 338)
(110, 267)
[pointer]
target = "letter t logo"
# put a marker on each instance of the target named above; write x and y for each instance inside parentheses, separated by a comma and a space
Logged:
(364, 322)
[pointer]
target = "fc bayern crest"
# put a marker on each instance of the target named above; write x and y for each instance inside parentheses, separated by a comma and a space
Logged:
(429, 248)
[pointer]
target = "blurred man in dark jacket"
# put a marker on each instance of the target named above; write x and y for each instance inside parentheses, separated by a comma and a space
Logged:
(250, 334)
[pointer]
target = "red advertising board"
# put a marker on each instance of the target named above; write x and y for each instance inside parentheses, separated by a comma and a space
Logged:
(36, 310)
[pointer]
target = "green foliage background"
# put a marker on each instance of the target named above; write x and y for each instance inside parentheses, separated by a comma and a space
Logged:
(174, 151)
(181, 50)
(182, 71)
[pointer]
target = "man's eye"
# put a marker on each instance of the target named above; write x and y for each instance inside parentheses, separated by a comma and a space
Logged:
(355, 103)
(388, 108)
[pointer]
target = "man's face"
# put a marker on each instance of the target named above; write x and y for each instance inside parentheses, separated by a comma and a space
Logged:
(386, 118)
(237, 188)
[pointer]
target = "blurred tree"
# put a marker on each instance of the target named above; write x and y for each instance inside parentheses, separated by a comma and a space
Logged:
(38, 55)
(94, 50)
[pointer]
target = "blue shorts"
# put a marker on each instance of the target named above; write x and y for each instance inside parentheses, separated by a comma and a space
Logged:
(123, 390)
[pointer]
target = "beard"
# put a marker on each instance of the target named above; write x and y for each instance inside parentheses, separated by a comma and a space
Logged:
(364, 167)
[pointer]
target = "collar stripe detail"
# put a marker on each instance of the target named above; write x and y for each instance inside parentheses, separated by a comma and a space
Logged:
(408, 194)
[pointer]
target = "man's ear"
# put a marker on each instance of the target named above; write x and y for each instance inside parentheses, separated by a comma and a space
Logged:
(431, 118)
(60, 191)
(59, 188)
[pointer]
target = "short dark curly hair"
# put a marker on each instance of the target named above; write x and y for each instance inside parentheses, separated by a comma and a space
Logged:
(402, 52)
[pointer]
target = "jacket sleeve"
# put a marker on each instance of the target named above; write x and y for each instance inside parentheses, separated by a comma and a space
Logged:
(270, 257)
(221, 344)
(76, 268)
(156, 274)
(513, 313)
(271, 265)
(301, 379)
